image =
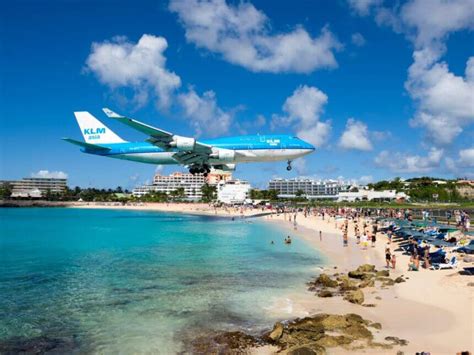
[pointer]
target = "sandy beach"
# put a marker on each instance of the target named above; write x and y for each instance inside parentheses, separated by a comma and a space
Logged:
(432, 310)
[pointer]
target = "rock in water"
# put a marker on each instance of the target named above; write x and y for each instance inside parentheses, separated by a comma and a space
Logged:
(276, 333)
(356, 297)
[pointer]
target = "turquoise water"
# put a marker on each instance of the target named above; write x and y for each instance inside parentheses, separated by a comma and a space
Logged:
(115, 281)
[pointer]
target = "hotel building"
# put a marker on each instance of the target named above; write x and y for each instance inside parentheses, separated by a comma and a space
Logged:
(191, 184)
(233, 191)
(310, 188)
(36, 187)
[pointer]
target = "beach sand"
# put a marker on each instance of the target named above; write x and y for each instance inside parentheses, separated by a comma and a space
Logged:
(433, 310)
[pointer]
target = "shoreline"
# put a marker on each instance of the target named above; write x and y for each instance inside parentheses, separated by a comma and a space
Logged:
(432, 310)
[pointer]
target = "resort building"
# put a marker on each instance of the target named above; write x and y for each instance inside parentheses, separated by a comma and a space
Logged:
(310, 188)
(36, 187)
(191, 184)
(233, 191)
(370, 195)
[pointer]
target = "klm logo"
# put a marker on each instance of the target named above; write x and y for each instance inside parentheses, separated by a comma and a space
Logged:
(273, 142)
(90, 131)
(93, 133)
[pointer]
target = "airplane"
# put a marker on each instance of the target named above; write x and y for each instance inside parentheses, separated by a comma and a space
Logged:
(199, 156)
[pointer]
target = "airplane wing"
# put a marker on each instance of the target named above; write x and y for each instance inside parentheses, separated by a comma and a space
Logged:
(190, 151)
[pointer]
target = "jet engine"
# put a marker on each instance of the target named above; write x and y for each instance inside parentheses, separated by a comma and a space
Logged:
(223, 155)
(225, 167)
(183, 143)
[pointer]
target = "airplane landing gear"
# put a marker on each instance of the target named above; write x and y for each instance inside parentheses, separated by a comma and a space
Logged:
(289, 165)
(200, 169)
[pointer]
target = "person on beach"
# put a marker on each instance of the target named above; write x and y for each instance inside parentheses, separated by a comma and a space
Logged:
(414, 264)
(364, 241)
(321, 236)
(373, 238)
(357, 233)
(388, 257)
(394, 261)
(344, 238)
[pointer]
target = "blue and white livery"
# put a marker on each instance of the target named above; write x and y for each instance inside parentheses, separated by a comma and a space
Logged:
(200, 156)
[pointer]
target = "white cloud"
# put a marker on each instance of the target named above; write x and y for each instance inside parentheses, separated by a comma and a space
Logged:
(402, 163)
(363, 7)
(364, 180)
(204, 113)
(50, 174)
(241, 35)
(433, 20)
(445, 101)
(356, 136)
(357, 39)
(141, 66)
(300, 166)
(463, 166)
(466, 157)
(303, 110)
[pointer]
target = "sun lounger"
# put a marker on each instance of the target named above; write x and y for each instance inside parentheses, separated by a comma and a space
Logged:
(453, 263)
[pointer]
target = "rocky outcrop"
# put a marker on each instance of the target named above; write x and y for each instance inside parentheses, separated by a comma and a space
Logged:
(325, 281)
(399, 279)
(309, 335)
(382, 273)
(356, 297)
(322, 331)
(325, 293)
(276, 333)
(366, 268)
(228, 342)
(365, 276)
(346, 284)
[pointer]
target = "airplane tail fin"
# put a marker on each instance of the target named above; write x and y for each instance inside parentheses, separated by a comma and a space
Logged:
(94, 131)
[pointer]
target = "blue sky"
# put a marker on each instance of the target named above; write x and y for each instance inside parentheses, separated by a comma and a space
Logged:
(383, 90)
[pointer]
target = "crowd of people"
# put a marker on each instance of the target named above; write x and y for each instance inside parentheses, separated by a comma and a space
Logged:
(366, 229)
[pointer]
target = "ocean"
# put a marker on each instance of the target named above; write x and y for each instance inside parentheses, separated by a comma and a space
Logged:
(116, 281)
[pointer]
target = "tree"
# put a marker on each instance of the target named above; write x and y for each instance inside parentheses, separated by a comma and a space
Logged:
(209, 192)
(299, 193)
(5, 191)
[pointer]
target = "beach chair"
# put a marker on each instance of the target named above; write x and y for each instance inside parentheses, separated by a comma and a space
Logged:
(453, 263)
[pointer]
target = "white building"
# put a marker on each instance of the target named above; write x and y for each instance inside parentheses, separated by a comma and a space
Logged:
(311, 188)
(370, 195)
(36, 187)
(233, 191)
(191, 184)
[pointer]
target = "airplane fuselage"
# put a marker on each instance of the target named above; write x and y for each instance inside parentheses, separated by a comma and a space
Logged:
(245, 149)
